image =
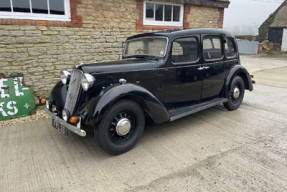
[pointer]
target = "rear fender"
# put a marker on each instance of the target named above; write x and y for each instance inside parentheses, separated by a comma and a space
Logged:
(237, 70)
(97, 106)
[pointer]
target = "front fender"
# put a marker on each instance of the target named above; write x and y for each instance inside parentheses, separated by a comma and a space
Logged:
(58, 95)
(243, 73)
(97, 106)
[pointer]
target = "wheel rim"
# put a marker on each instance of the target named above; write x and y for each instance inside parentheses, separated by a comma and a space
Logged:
(122, 127)
(235, 93)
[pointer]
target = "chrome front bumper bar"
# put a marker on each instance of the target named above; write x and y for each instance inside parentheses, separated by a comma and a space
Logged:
(72, 128)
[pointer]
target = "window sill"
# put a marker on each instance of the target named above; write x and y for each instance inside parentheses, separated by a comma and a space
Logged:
(36, 18)
(175, 24)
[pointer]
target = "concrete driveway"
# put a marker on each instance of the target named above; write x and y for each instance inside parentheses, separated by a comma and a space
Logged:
(213, 150)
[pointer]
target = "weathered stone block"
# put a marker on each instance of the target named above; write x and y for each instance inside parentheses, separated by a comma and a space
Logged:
(67, 33)
(50, 32)
(33, 33)
(27, 40)
(79, 51)
(42, 28)
(11, 27)
(7, 40)
(59, 39)
(36, 51)
(5, 55)
(20, 55)
(22, 50)
(4, 33)
(44, 39)
(63, 57)
(16, 33)
(55, 28)
(111, 39)
(100, 40)
(55, 52)
(88, 58)
(27, 28)
(35, 69)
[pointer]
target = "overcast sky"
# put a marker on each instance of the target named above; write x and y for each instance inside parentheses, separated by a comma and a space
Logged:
(245, 16)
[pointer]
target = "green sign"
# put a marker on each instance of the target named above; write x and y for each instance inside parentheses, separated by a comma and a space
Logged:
(15, 99)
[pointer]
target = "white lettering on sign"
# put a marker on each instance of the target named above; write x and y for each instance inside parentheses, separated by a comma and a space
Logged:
(2, 91)
(1, 109)
(15, 110)
(17, 91)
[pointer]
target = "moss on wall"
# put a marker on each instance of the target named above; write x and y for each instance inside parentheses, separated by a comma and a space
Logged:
(264, 28)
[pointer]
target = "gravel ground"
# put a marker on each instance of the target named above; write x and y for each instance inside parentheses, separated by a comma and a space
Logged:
(40, 114)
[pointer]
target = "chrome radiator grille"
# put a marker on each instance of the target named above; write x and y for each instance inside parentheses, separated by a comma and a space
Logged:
(74, 91)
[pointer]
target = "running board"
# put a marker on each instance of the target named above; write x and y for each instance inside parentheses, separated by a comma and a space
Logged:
(184, 111)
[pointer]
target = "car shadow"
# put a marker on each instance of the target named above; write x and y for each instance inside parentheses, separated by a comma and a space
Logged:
(152, 131)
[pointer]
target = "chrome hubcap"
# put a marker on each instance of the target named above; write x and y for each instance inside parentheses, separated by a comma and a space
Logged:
(236, 92)
(123, 127)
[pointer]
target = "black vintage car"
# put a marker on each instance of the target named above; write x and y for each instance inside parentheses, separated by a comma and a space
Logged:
(164, 75)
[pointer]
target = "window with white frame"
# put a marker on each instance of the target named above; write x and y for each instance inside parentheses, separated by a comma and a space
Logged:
(55, 10)
(166, 14)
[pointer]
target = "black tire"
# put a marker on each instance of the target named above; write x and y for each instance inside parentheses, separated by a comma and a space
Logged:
(105, 131)
(233, 103)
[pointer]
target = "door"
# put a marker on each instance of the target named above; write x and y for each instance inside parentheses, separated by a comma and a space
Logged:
(183, 77)
(275, 36)
(213, 68)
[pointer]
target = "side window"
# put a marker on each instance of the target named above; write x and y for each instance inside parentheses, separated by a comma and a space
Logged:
(212, 47)
(229, 48)
(184, 50)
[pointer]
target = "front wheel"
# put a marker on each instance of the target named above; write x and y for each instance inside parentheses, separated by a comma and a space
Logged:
(236, 95)
(121, 127)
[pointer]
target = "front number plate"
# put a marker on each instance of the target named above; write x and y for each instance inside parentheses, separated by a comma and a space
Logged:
(63, 130)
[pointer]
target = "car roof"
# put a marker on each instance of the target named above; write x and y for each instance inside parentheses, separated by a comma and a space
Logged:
(171, 33)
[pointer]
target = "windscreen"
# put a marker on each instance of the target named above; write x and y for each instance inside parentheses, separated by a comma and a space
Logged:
(153, 46)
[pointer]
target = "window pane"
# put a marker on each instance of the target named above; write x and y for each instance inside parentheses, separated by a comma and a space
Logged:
(158, 12)
(229, 48)
(57, 7)
(207, 44)
(149, 11)
(5, 5)
(211, 47)
(21, 6)
(146, 46)
(39, 6)
(176, 13)
(167, 12)
(184, 50)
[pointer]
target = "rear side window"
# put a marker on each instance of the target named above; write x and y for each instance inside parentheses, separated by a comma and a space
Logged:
(184, 50)
(212, 47)
(229, 48)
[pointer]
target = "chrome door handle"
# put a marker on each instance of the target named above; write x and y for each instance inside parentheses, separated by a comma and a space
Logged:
(200, 68)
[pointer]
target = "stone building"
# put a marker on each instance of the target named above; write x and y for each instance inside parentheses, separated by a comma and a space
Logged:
(275, 28)
(39, 38)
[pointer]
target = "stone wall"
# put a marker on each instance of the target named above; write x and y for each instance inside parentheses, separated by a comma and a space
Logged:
(205, 17)
(41, 52)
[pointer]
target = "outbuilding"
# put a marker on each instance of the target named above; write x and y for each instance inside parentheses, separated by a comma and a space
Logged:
(275, 28)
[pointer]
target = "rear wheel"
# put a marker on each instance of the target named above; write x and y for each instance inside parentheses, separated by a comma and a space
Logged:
(236, 95)
(121, 127)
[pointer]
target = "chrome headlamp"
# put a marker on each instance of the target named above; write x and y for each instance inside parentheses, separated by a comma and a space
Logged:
(87, 81)
(65, 115)
(48, 104)
(65, 77)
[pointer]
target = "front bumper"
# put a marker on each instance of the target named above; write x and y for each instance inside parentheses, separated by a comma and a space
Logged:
(72, 128)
